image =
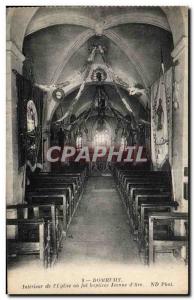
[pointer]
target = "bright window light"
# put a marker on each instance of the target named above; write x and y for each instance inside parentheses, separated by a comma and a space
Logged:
(79, 142)
(102, 138)
(123, 142)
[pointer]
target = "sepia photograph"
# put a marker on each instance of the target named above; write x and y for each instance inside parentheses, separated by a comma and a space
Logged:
(97, 157)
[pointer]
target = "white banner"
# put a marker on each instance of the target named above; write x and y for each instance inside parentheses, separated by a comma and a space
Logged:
(161, 119)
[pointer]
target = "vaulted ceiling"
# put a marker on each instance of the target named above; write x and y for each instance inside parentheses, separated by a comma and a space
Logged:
(57, 39)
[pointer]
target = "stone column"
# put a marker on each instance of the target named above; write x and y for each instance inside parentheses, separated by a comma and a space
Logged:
(46, 140)
(46, 130)
(15, 183)
(180, 120)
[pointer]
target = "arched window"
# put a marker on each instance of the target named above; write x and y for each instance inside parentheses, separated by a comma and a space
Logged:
(123, 142)
(102, 138)
(79, 142)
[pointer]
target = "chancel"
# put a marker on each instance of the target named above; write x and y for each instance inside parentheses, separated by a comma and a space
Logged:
(97, 136)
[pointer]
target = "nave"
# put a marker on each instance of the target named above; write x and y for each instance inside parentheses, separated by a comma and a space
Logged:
(99, 232)
(97, 170)
(126, 216)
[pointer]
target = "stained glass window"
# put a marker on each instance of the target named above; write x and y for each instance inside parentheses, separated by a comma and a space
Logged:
(79, 142)
(102, 138)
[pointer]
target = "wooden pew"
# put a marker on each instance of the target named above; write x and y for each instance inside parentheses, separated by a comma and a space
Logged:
(145, 209)
(77, 179)
(55, 184)
(72, 200)
(82, 175)
(51, 184)
(139, 199)
(61, 192)
(128, 195)
(39, 182)
(142, 174)
(149, 190)
(146, 185)
(57, 179)
(51, 198)
(169, 242)
(149, 193)
(145, 181)
(40, 246)
(71, 178)
(58, 195)
(139, 190)
(47, 189)
(129, 179)
(74, 190)
(49, 193)
(47, 211)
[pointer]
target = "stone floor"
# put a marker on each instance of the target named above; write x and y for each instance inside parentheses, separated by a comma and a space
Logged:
(99, 231)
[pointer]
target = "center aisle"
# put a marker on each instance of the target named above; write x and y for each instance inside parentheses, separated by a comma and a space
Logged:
(99, 231)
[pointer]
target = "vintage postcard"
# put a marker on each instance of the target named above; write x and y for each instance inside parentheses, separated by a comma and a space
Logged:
(97, 174)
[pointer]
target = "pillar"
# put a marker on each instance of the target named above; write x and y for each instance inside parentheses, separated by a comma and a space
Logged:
(14, 175)
(180, 121)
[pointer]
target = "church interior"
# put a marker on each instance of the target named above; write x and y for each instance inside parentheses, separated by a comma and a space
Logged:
(82, 82)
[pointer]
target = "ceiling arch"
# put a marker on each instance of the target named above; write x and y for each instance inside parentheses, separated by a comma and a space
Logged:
(27, 21)
(20, 20)
(62, 15)
(115, 38)
(70, 51)
(51, 59)
(82, 38)
(177, 18)
(87, 96)
(53, 105)
(58, 18)
(135, 60)
(137, 17)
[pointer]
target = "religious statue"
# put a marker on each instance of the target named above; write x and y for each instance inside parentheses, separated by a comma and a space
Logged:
(32, 116)
(160, 115)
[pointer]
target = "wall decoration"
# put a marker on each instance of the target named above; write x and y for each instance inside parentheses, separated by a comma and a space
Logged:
(160, 115)
(161, 118)
(29, 111)
(32, 116)
(137, 90)
(58, 94)
(98, 75)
